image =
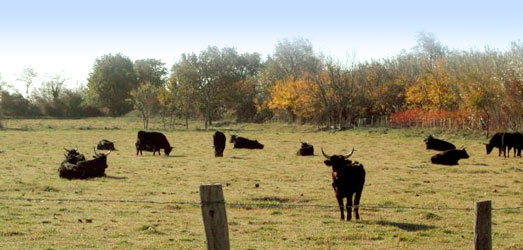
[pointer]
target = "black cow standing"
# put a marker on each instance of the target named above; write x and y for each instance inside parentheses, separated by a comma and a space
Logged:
(505, 141)
(306, 149)
(450, 157)
(152, 141)
(241, 142)
(105, 145)
(348, 178)
(512, 141)
(437, 144)
(219, 141)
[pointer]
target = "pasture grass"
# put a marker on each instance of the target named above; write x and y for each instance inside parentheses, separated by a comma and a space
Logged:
(399, 175)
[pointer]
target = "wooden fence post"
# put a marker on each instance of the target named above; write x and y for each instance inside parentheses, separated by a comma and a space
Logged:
(214, 217)
(483, 226)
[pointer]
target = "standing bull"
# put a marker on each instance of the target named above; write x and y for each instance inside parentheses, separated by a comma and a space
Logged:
(241, 142)
(219, 142)
(152, 141)
(437, 144)
(450, 157)
(105, 145)
(306, 149)
(348, 178)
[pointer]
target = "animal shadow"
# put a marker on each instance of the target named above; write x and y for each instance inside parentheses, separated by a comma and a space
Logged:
(115, 177)
(410, 227)
(176, 156)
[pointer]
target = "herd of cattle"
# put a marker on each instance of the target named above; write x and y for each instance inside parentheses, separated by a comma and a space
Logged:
(348, 177)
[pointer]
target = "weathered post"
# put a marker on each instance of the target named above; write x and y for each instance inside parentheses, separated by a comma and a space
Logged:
(483, 225)
(214, 217)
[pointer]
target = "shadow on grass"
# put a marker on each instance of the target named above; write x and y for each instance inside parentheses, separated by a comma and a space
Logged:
(115, 177)
(175, 155)
(411, 227)
(479, 164)
(239, 158)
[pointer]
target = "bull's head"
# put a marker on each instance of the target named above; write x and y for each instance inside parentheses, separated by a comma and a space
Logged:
(337, 160)
(233, 139)
(168, 150)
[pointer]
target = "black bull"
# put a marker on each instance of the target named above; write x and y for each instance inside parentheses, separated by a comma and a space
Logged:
(152, 141)
(306, 149)
(437, 144)
(241, 142)
(219, 143)
(84, 169)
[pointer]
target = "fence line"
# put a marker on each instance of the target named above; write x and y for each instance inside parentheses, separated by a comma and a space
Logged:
(247, 205)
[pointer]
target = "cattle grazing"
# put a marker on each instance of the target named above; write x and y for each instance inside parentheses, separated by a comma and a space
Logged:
(450, 157)
(105, 145)
(505, 141)
(152, 141)
(437, 144)
(219, 141)
(306, 149)
(495, 142)
(241, 142)
(86, 168)
(348, 178)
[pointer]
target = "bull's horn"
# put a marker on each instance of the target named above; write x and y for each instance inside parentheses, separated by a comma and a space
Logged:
(324, 154)
(349, 154)
(108, 153)
(95, 153)
(67, 150)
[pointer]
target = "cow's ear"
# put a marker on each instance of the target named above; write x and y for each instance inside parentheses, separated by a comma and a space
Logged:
(327, 162)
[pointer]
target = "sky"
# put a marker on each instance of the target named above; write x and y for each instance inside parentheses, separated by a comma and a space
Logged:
(66, 37)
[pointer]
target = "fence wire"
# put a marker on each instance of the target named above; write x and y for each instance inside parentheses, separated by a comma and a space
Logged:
(270, 204)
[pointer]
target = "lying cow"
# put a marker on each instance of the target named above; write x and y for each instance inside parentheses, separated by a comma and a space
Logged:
(450, 157)
(241, 142)
(86, 168)
(152, 141)
(73, 156)
(105, 145)
(306, 149)
(437, 144)
(348, 178)
(219, 141)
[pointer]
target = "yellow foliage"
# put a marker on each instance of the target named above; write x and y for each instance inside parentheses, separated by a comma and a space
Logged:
(296, 96)
(433, 89)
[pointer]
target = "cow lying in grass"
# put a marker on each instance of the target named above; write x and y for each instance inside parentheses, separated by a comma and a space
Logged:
(437, 144)
(241, 142)
(85, 168)
(450, 157)
(306, 149)
(348, 178)
(105, 145)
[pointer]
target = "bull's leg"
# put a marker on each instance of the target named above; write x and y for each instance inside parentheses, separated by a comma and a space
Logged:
(357, 205)
(499, 151)
(340, 204)
(349, 207)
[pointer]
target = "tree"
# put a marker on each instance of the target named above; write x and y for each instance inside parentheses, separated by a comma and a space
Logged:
(145, 100)
(152, 71)
(27, 76)
(110, 83)
(430, 48)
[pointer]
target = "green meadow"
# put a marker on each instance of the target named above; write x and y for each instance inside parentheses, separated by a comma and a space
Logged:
(407, 202)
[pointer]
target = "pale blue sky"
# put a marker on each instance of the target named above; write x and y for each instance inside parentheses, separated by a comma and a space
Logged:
(67, 36)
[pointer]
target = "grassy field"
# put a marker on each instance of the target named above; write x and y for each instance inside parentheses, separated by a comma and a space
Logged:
(399, 174)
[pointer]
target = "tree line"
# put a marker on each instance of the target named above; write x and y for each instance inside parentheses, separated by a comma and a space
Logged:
(296, 84)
